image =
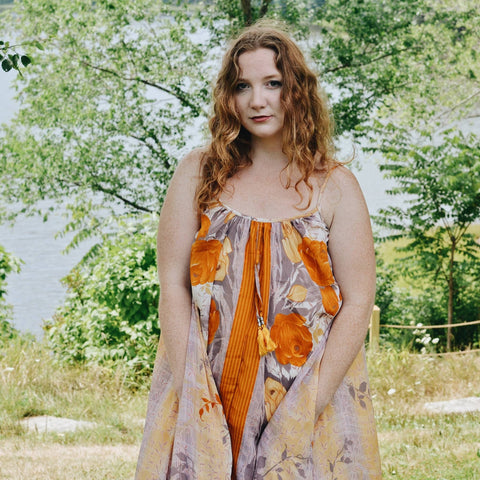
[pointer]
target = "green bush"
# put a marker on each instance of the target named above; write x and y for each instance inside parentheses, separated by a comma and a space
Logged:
(110, 313)
(423, 304)
(8, 264)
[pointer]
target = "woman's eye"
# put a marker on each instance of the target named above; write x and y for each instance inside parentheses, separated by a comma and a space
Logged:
(274, 83)
(241, 86)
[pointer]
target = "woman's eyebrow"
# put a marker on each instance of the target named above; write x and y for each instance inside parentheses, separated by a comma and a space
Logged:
(267, 77)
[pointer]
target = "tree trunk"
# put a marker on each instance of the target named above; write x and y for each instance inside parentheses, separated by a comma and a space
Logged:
(451, 287)
(247, 11)
(264, 8)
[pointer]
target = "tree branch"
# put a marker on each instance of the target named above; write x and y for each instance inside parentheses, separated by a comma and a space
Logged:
(182, 96)
(363, 64)
(100, 188)
(144, 142)
(459, 104)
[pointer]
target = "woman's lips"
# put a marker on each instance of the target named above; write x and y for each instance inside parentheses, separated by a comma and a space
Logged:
(261, 118)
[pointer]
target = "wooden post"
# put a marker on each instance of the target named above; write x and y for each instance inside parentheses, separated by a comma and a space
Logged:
(374, 337)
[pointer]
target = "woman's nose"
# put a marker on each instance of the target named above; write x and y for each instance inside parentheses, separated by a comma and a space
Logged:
(257, 99)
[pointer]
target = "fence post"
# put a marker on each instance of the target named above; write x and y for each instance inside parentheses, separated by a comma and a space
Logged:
(374, 337)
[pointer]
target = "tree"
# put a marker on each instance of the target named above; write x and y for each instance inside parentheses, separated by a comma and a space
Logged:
(123, 86)
(439, 179)
(404, 59)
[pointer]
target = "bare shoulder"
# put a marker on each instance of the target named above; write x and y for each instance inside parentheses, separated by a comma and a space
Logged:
(190, 165)
(341, 192)
(342, 178)
(181, 192)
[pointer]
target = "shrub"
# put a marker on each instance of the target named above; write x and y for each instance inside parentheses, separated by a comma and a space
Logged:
(110, 313)
(425, 303)
(8, 264)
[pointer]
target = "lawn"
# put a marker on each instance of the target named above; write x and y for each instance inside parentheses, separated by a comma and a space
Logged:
(414, 444)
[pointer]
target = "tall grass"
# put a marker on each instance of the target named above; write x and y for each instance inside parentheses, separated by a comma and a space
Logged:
(414, 444)
(33, 383)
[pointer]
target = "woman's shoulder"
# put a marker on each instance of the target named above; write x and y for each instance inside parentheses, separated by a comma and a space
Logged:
(192, 160)
(339, 180)
(340, 189)
(190, 165)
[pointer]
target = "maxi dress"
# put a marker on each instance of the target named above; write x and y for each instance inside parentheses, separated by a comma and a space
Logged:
(241, 415)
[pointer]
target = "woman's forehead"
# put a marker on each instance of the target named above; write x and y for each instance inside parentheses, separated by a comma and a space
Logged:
(260, 62)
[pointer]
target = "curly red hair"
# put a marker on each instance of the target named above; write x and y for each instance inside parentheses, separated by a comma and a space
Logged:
(307, 128)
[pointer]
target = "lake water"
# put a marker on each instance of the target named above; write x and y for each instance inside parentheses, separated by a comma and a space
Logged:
(36, 291)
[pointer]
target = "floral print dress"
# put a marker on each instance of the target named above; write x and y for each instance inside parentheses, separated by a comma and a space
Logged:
(246, 416)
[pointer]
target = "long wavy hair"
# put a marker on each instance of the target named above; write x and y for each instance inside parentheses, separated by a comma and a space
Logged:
(307, 128)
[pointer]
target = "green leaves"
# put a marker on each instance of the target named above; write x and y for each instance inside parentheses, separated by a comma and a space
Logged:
(110, 314)
(7, 64)
(397, 59)
(438, 178)
(8, 264)
(13, 60)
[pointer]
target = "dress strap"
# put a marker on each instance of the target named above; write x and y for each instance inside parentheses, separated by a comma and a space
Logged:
(324, 184)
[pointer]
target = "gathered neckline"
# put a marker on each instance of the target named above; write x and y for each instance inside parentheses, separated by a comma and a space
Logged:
(301, 216)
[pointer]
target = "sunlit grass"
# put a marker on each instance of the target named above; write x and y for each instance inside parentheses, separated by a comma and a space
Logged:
(33, 383)
(414, 444)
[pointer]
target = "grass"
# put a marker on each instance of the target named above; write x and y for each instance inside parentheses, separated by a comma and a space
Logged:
(32, 383)
(414, 444)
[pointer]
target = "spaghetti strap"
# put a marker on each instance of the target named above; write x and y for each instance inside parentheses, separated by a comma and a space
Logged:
(324, 184)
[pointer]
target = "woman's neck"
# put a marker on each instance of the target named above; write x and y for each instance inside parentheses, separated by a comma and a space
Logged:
(268, 154)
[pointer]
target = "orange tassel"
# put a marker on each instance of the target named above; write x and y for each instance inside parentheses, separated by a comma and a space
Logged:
(265, 343)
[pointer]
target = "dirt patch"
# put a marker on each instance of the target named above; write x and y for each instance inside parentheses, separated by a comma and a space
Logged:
(28, 460)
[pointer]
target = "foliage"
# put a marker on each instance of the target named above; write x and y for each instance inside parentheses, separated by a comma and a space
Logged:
(10, 59)
(8, 264)
(439, 180)
(421, 304)
(405, 59)
(109, 140)
(110, 314)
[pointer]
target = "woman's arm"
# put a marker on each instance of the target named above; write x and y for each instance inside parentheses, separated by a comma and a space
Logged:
(177, 227)
(353, 258)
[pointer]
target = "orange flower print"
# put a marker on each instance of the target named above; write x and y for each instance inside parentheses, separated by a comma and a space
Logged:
(330, 300)
(297, 293)
(204, 260)
(315, 257)
(291, 241)
(223, 261)
(293, 339)
(213, 321)
(204, 226)
(274, 393)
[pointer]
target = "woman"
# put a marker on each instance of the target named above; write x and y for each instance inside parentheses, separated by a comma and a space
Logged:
(260, 371)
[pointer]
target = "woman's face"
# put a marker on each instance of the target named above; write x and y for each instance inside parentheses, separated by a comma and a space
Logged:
(257, 95)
